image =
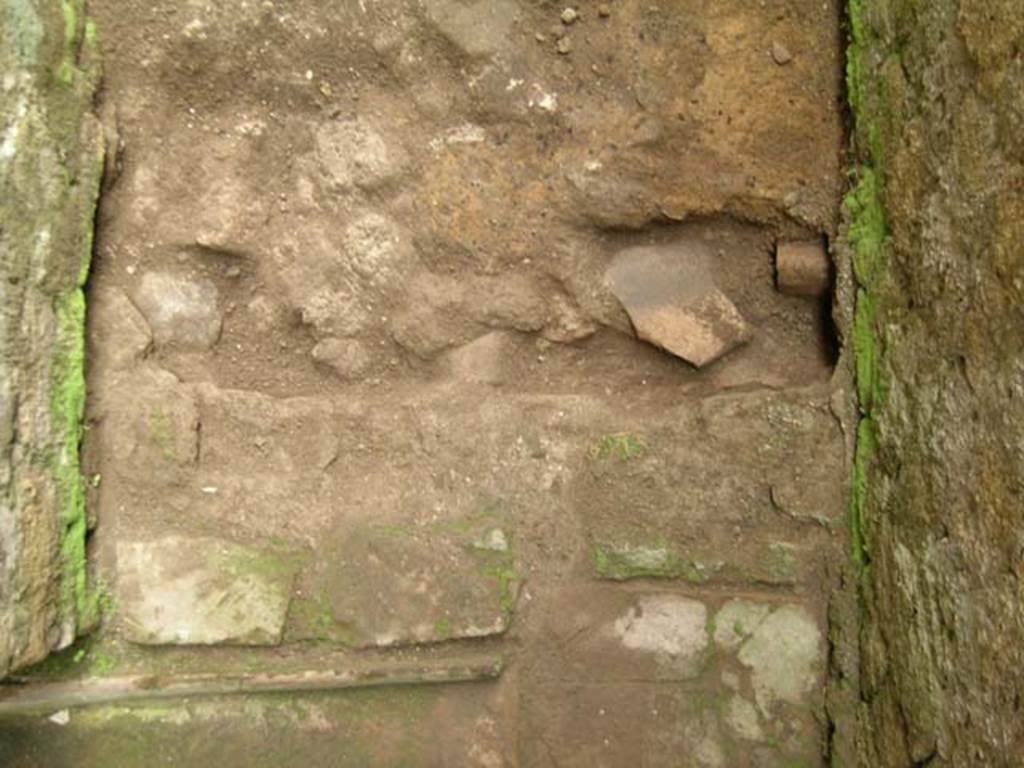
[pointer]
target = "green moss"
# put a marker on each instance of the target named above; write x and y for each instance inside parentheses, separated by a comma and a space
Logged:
(508, 580)
(780, 561)
(868, 229)
(160, 429)
(867, 234)
(275, 566)
(622, 563)
(865, 450)
(67, 408)
(621, 446)
(66, 70)
(316, 618)
(443, 627)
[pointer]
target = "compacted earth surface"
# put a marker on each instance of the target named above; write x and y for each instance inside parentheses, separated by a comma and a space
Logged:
(451, 401)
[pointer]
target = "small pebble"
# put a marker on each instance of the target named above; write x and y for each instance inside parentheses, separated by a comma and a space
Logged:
(569, 16)
(781, 54)
(541, 37)
(604, 10)
(564, 46)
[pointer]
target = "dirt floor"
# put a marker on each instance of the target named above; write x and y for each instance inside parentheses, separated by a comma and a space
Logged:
(363, 392)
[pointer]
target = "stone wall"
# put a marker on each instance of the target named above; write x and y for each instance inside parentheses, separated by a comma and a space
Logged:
(50, 164)
(938, 238)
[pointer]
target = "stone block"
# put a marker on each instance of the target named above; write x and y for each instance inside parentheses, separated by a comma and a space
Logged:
(662, 679)
(393, 583)
(201, 591)
(181, 312)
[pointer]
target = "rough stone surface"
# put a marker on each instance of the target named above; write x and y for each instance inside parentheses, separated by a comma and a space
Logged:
(347, 357)
(673, 626)
(389, 584)
(354, 154)
(938, 251)
(481, 360)
(673, 302)
(785, 654)
(201, 591)
(180, 311)
(638, 681)
(51, 158)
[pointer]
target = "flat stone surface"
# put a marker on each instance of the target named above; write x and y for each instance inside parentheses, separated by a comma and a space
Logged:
(697, 495)
(394, 583)
(180, 311)
(149, 427)
(649, 678)
(668, 625)
(673, 302)
(784, 654)
(201, 591)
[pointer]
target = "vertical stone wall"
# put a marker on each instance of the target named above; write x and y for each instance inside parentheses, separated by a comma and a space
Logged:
(50, 165)
(938, 237)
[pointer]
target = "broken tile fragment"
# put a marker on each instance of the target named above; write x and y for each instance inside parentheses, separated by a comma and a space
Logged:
(673, 303)
(803, 268)
(202, 591)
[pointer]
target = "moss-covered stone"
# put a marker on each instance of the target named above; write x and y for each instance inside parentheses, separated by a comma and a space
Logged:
(51, 156)
(938, 335)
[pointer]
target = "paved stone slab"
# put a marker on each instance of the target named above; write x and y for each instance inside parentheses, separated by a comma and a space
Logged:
(201, 591)
(737, 490)
(655, 678)
(673, 302)
(396, 583)
(784, 652)
(150, 427)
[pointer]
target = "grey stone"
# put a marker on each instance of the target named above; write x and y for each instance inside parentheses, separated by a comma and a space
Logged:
(150, 427)
(784, 654)
(737, 620)
(181, 312)
(347, 357)
(392, 583)
(743, 718)
(479, 28)
(201, 591)
(332, 312)
(51, 161)
(377, 250)
(353, 154)
(481, 360)
(120, 333)
(666, 625)
(781, 54)
(673, 302)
